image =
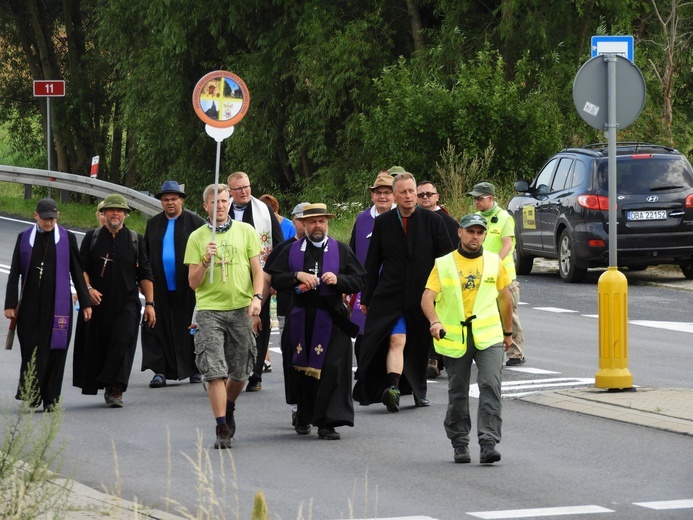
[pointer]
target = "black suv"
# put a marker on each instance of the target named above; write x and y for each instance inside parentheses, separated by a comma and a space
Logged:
(564, 212)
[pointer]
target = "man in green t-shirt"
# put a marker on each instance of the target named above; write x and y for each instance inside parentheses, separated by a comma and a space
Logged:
(229, 299)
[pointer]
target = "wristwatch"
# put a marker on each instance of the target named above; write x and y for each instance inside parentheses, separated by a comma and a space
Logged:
(258, 296)
(150, 303)
(507, 334)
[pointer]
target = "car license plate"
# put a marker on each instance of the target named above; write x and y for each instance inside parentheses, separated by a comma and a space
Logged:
(647, 215)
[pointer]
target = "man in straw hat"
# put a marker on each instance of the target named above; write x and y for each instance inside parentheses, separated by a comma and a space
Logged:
(46, 257)
(383, 200)
(168, 349)
(394, 352)
(318, 333)
(115, 263)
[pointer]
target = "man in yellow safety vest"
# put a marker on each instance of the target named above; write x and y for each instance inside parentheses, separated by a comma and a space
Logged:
(468, 305)
(500, 239)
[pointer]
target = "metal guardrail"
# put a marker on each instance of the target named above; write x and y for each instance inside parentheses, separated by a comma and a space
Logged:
(80, 184)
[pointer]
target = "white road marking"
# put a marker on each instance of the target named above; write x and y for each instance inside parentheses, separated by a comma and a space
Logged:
(668, 325)
(530, 370)
(543, 511)
(557, 310)
(667, 504)
(400, 518)
(512, 388)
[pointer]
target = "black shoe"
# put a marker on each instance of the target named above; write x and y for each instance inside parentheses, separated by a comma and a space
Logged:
(196, 378)
(253, 386)
(462, 454)
(432, 371)
(113, 397)
(158, 381)
(421, 401)
(329, 434)
(390, 399)
(302, 429)
(515, 362)
(294, 418)
(489, 454)
(267, 367)
(223, 437)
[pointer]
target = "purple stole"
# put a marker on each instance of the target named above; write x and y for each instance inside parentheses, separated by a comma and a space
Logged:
(362, 230)
(63, 298)
(309, 358)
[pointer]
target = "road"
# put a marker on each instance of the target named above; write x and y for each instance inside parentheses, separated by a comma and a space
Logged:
(400, 465)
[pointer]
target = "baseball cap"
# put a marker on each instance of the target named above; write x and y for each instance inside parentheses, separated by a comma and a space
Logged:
(47, 208)
(473, 220)
(483, 188)
(298, 209)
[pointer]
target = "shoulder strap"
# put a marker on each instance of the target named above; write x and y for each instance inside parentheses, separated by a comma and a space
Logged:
(133, 236)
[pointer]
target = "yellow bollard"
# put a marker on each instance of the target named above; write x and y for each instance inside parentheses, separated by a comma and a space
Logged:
(613, 331)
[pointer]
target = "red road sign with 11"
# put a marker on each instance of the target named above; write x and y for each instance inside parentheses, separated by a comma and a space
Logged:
(49, 88)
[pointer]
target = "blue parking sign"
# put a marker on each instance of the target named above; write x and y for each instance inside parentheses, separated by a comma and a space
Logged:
(621, 45)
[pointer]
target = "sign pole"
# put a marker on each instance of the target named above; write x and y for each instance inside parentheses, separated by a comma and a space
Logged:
(611, 126)
(48, 139)
(220, 100)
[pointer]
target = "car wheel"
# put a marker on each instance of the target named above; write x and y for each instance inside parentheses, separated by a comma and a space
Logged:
(687, 270)
(566, 260)
(523, 263)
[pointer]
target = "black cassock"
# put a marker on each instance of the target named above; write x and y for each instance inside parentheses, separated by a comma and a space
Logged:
(396, 290)
(105, 345)
(35, 322)
(324, 402)
(168, 348)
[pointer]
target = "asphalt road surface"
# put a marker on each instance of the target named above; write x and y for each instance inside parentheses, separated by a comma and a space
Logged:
(156, 450)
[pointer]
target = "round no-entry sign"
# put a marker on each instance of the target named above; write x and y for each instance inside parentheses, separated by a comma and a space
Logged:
(221, 99)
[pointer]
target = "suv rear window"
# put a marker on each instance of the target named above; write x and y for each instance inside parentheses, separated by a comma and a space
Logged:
(645, 175)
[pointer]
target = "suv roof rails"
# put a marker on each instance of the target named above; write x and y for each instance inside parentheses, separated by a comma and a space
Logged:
(622, 148)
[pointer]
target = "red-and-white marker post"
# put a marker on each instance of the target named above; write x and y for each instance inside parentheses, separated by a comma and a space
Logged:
(94, 167)
(48, 88)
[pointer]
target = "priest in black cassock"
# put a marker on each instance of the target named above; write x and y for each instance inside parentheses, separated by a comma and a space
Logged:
(393, 356)
(115, 263)
(168, 349)
(253, 211)
(318, 332)
(45, 256)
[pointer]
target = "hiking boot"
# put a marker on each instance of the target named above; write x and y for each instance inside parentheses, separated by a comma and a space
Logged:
(489, 454)
(432, 371)
(515, 362)
(391, 399)
(462, 454)
(223, 437)
(113, 396)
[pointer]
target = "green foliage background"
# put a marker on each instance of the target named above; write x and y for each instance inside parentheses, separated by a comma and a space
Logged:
(339, 90)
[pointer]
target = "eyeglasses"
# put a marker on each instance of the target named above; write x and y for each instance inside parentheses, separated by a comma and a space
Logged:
(428, 194)
(479, 199)
(169, 199)
(240, 188)
(383, 193)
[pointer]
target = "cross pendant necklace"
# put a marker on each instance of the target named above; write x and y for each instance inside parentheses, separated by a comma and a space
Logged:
(40, 270)
(105, 259)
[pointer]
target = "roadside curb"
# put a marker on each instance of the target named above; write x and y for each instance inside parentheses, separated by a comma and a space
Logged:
(669, 409)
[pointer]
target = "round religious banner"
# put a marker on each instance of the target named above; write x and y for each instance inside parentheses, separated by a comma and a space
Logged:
(221, 99)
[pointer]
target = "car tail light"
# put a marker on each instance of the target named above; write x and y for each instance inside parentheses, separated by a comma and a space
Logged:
(689, 201)
(642, 156)
(596, 243)
(596, 202)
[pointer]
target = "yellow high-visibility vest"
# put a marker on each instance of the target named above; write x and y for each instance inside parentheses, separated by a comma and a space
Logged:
(494, 242)
(485, 320)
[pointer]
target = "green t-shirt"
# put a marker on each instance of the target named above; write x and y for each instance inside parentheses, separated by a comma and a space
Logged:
(232, 287)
